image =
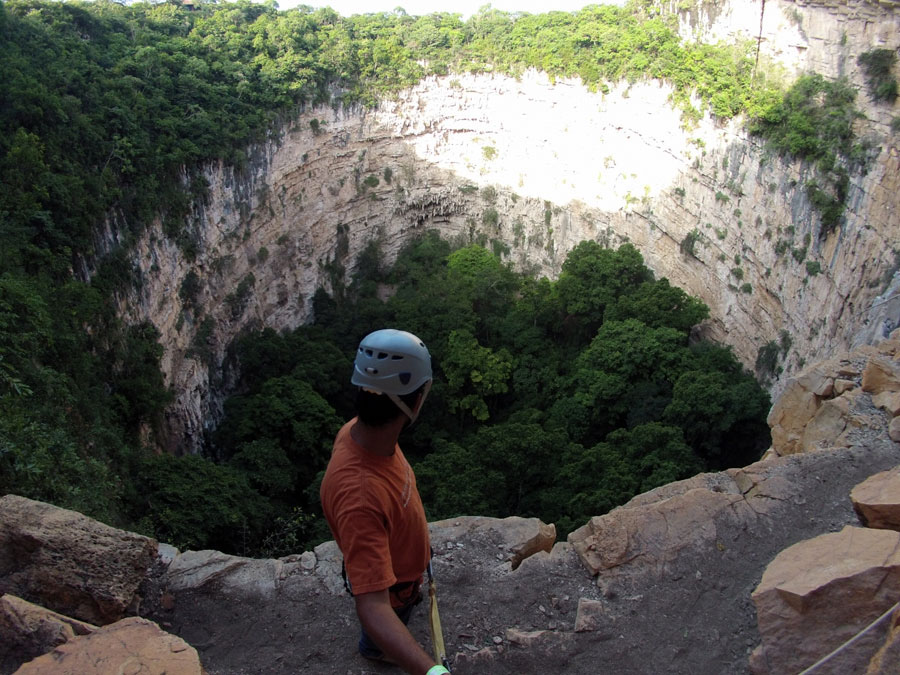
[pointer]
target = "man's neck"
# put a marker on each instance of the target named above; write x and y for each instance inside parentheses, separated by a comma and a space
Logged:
(378, 440)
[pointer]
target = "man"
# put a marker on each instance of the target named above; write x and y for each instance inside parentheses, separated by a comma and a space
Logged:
(370, 499)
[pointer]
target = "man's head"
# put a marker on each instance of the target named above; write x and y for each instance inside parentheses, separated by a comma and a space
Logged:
(393, 371)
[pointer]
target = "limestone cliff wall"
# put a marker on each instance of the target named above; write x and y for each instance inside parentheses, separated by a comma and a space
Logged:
(558, 164)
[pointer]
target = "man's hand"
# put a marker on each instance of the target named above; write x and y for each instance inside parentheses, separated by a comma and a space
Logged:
(383, 625)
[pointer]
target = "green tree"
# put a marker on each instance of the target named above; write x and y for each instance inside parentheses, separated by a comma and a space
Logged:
(878, 65)
(454, 481)
(194, 503)
(479, 276)
(623, 354)
(475, 374)
(657, 303)
(723, 417)
(290, 413)
(593, 278)
(25, 333)
(267, 468)
(625, 463)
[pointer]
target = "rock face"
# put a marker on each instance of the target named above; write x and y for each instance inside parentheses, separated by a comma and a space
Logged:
(819, 593)
(70, 563)
(489, 158)
(131, 645)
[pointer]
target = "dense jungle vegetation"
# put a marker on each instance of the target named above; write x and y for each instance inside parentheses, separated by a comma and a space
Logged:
(109, 113)
(557, 399)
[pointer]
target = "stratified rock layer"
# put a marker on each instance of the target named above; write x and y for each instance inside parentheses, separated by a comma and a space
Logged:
(70, 563)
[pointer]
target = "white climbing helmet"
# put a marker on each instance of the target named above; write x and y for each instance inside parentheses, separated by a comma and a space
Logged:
(392, 362)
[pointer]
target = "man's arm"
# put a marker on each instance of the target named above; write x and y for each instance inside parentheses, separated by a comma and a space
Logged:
(384, 626)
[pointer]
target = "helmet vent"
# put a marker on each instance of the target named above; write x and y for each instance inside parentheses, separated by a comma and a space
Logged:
(404, 377)
(397, 357)
(372, 371)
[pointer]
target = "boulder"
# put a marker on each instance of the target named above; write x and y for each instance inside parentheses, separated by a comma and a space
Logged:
(894, 430)
(832, 424)
(589, 615)
(28, 631)
(877, 500)
(818, 594)
(329, 563)
(256, 577)
(882, 374)
(648, 534)
(797, 405)
(654, 532)
(70, 563)
(823, 406)
(889, 401)
(132, 645)
(841, 386)
(818, 424)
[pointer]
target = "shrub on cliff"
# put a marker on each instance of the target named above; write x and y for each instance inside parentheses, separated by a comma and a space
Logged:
(878, 65)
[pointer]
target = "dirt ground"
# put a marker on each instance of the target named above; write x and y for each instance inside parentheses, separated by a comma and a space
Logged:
(691, 614)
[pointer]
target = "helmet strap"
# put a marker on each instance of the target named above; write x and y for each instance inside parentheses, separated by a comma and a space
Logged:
(405, 408)
(411, 414)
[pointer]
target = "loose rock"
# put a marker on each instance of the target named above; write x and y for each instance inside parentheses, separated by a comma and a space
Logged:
(877, 500)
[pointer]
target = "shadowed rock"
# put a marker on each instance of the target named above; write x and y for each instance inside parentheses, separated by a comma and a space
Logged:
(887, 660)
(28, 631)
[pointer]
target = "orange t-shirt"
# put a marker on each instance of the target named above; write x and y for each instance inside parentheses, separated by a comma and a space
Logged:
(375, 514)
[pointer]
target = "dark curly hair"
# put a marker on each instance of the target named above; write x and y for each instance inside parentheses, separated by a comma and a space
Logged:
(376, 410)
